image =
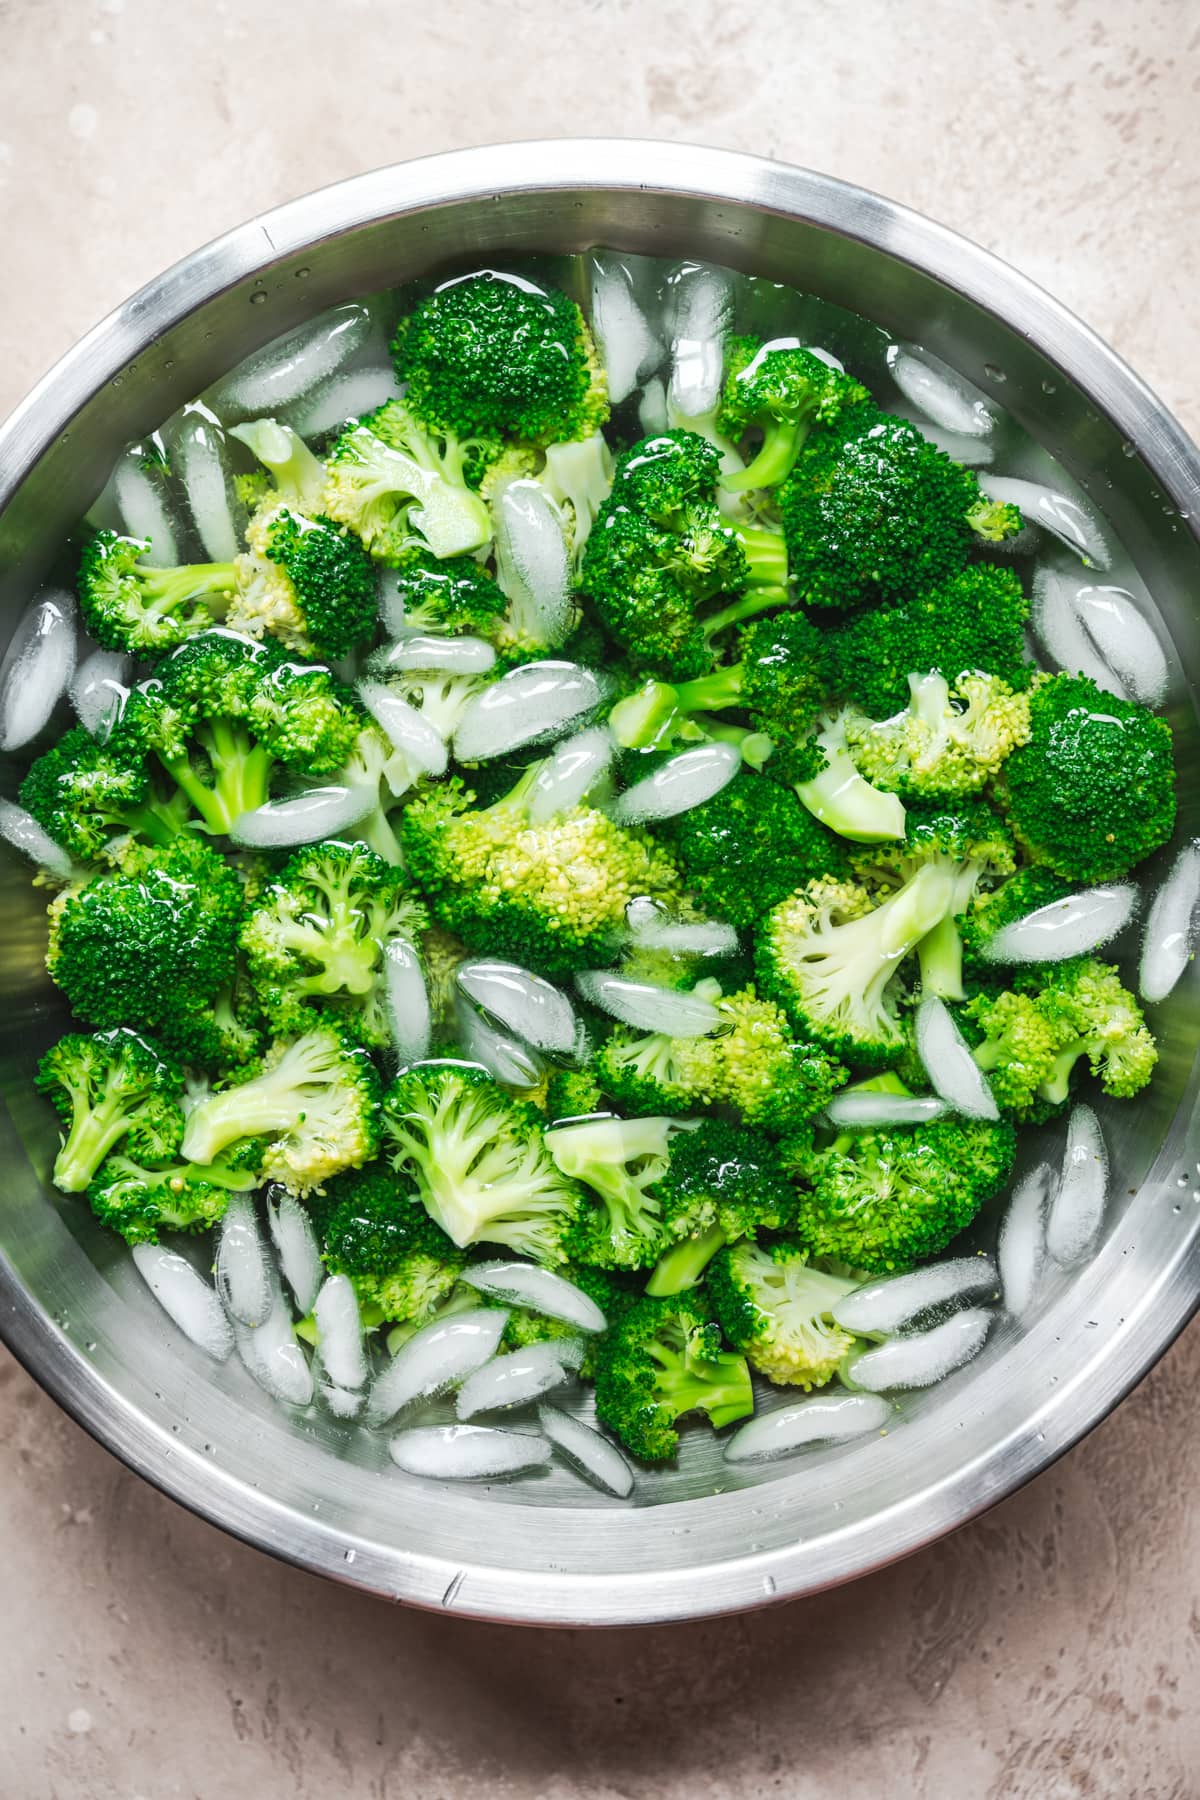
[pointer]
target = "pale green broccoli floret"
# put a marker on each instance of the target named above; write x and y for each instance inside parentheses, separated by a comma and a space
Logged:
(948, 741)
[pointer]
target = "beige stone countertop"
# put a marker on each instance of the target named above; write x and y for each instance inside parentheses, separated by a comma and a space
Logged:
(1050, 1649)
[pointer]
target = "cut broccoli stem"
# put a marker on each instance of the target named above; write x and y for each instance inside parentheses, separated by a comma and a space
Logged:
(723, 688)
(843, 800)
(783, 440)
(299, 476)
(683, 1265)
(241, 769)
(940, 955)
(766, 555)
(720, 1387)
(94, 1132)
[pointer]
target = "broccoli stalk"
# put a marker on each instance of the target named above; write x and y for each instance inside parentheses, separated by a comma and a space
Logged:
(111, 1088)
(782, 390)
(128, 604)
(298, 475)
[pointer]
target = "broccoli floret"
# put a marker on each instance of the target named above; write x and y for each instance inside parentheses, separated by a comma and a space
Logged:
(223, 711)
(492, 355)
(479, 1160)
(842, 798)
(318, 934)
(724, 1182)
(1035, 1035)
(377, 1232)
(974, 622)
(883, 1201)
(138, 1202)
(311, 1105)
(113, 1088)
(129, 604)
(306, 580)
(971, 845)
(947, 741)
(872, 511)
(660, 549)
(551, 895)
(989, 912)
(775, 1307)
(830, 956)
(781, 390)
(618, 1162)
(450, 597)
(1092, 793)
(150, 943)
(441, 696)
(572, 1094)
(399, 487)
(85, 794)
(750, 846)
(753, 1063)
(658, 1362)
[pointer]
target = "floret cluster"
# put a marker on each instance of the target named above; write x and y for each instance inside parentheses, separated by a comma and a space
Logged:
(799, 576)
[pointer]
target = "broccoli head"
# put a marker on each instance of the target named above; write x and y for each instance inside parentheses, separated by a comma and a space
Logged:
(873, 512)
(151, 942)
(750, 846)
(309, 1107)
(831, 956)
(883, 1201)
(113, 1088)
(1055, 1017)
(479, 1160)
(377, 1232)
(617, 1162)
(776, 1308)
(306, 580)
(129, 604)
(659, 1361)
(990, 911)
(86, 794)
(139, 1202)
(317, 936)
(947, 741)
(781, 390)
(549, 894)
(399, 486)
(724, 1182)
(494, 356)
(1092, 792)
(454, 596)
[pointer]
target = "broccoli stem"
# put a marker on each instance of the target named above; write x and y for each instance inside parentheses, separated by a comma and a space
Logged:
(758, 600)
(257, 1108)
(241, 770)
(940, 955)
(376, 833)
(766, 554)
(783, 440)
(298, 475)
(721, 1388)
(843, 800)
(95, 1130)
(724, 688)
(639, 720)
(683, 1264)
(165, 591)
(1057, 1086)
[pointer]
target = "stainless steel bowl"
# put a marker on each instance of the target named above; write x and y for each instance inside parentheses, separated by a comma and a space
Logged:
(548, 1552)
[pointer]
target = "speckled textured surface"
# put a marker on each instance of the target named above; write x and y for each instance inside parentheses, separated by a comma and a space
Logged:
(1053, 1648)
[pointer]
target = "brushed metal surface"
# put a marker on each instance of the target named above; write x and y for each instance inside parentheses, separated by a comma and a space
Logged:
(547, 1551)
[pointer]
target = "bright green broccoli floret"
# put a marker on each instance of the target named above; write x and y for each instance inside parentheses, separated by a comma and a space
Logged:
(113, 1088)
(753, 1062)
(572, 1094)
(749, 847)
(551, 895)
(138, 1202)
(947, 741)
(783, 391)
(971, 845)
(85, 794)
(129, 604)
(306, 580)
(724, 1182)
(1023, 893)
(151, 943)
(660, 549)
(399, 487)
(875, 512)
(1092, 793)
(318, 935)
(311, 1105)
(479, 1160)
(775, 1307)
(883, 1201)
(451, 597)
(618, 1162)
(1034, 1036)
(830, 956)
(660, 1361)
(974, 622)
(492, 355)
(222, 712)
(377, 1232)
